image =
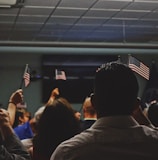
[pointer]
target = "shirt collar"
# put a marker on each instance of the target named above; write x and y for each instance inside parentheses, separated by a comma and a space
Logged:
(115, 122)
(90, 118)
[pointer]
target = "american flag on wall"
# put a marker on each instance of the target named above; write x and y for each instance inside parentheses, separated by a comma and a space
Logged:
(139, 67)
(60, 75)
(26, 76)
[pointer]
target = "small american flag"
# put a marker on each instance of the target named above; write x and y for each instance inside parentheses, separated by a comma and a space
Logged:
(60, 75)
(139, 67)
(26, 76)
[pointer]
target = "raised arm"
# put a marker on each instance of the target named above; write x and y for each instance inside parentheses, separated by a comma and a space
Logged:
(54, 94)
(15, 98)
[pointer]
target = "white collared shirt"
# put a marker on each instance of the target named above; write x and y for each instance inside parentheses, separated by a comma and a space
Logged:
(111, 138)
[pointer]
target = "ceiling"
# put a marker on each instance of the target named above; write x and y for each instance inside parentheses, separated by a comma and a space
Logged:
(47, 22)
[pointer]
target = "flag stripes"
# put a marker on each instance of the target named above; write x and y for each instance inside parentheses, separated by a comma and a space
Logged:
(60, 75)
(26, 76)
(139, 67)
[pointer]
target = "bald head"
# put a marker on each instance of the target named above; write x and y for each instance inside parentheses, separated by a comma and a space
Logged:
(88, 109)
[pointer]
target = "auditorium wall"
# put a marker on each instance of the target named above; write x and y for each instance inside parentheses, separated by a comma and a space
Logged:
(12, 66)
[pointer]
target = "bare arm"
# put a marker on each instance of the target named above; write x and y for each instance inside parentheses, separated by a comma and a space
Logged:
(54, 94)
(15, 98)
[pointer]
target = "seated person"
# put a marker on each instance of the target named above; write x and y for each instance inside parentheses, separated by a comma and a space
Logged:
(115, 134)
(21, 124)
(56, 124)
(11, 147)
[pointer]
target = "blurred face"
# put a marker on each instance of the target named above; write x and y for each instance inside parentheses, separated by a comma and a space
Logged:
(25, 118)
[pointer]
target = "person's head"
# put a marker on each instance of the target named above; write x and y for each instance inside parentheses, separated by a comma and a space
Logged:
(56, 124)
(115, 90)
(88, 109)
(59, 116)
(153, 114)
(21, 116)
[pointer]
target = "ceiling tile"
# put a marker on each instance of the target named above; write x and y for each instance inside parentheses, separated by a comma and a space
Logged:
(130, 14)
(6, 18)
(62, 20)
(151, 16)
(31, 19)
(77, 3)
(27, 26)
(36, 11)
(41, 2)
(142, 6)
(81, 20)
(85, 27)
(51, 26)
(91, 21)
(9, 11)
(100, 13)
(68, 12)
(110, 4)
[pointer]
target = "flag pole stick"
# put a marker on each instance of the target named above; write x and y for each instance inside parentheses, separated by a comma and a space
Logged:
(22, 80)
(21, 84)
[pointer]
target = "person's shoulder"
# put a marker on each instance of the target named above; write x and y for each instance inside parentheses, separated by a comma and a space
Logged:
(68, 148)
(151, 132)
(77, 141)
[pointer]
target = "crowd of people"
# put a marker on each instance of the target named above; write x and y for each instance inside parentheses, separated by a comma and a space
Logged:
(114, 125)
(11, 148)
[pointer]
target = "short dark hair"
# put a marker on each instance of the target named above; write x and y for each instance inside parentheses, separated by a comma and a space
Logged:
(153, 114)
(115, 89)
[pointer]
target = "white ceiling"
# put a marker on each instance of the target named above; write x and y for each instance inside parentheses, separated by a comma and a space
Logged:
(80, 21)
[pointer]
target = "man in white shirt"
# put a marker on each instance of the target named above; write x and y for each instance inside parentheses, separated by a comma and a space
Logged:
(116, 135)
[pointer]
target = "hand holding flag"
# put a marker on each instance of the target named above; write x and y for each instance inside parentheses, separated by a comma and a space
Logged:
(26, 77)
